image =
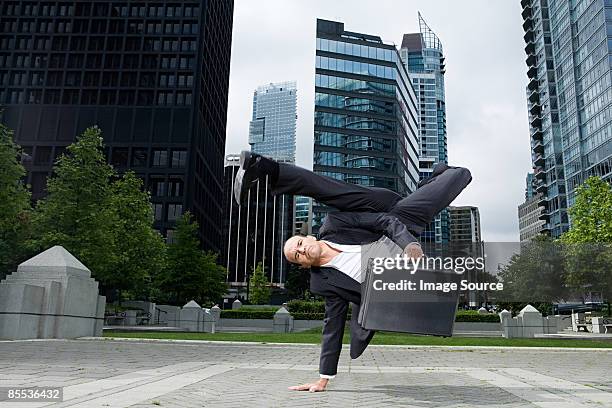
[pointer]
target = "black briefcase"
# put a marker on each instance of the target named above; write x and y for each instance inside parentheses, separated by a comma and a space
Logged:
(388, 304)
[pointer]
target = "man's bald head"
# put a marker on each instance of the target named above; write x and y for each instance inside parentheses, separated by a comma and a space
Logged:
(302, 250)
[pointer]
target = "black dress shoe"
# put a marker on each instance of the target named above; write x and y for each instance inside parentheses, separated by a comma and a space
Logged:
(438, 169)
(248, 173)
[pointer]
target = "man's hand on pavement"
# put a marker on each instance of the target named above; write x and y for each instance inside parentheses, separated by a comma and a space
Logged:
(311, 387)
(413, 250)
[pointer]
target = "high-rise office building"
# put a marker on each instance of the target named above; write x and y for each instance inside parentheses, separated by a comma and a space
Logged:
(423, 56)
(569, 95)
(464, 225)
(152, 75)
(255, 231)
(365, 129)
(272, 129)
(303, 215)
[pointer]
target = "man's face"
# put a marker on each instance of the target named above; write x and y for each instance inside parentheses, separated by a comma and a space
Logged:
(304, 251)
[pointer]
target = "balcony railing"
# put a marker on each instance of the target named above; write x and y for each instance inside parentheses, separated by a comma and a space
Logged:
(539, 160)
(536, 121)
(537, 134)
(538, 147)
(533, 84)
(532, 71)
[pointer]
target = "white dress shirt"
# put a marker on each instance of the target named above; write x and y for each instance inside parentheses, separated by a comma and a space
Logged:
(348, 262)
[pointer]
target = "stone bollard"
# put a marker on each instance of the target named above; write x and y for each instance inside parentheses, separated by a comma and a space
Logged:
(215, 311)
(482, 310)
(283, 321)
(209, 321)
(191, 317)
(237, 304)
(531, 321)
(506, 323)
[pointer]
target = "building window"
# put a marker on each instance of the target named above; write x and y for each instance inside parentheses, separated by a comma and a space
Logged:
(160, 158)
(120, 157)
(174, 211)
(157, 211)
(42, 156)
(139, 157)
(179, 158)
(158, 187)
(175, 188)
(170, 237)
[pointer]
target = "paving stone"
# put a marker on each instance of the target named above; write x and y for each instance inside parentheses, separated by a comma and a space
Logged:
(257, 375)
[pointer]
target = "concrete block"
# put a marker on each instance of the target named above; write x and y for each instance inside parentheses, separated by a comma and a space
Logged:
(167, 315)
(283, 321)
(191, 317)
(21, 305)
(215, 311)
(69, 297)
(99, 324)
(237, 304)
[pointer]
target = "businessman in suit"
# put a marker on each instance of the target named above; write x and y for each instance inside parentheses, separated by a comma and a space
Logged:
(366, 215)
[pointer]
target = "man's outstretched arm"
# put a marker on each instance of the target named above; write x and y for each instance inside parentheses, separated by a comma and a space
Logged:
(331, 343)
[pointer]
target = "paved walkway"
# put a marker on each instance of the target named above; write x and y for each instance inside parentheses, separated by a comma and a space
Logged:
(108, 373)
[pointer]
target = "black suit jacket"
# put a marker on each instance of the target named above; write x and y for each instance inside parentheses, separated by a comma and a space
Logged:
(350, 228)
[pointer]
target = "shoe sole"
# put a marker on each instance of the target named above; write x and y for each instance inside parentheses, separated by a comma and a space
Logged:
(245, 157)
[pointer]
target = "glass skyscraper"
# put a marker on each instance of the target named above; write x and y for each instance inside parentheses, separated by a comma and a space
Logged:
(272, 129)
(153, 76)
(365, 129)
(569, 93)
(423, 56)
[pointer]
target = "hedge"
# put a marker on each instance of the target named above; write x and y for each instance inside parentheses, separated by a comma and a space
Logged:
(247, 314)
(475, 317)
(298, 313)
(305, 306)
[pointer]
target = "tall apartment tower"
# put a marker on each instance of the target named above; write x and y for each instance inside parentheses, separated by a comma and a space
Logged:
(465, 225)
(272, 129)
(530, 213)
(569, 95)
(152, 75)
(366, 120)
(423, 56)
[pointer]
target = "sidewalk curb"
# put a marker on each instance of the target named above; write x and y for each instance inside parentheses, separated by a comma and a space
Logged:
(402, 346)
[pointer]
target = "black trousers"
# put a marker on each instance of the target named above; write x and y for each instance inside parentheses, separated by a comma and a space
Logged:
(416, 210)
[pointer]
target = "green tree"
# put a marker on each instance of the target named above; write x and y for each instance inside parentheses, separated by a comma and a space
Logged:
(191, 273)
(77, 211)
(591, 214)
(588, 243)
(259, 291)
(535, 275)
(140, 249)
(14, 204)
(298, 282)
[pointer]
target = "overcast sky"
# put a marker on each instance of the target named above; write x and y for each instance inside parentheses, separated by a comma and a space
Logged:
(486, 107)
